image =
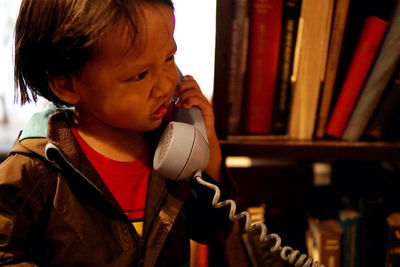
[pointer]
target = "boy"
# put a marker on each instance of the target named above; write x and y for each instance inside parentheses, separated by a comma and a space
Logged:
(99, 203)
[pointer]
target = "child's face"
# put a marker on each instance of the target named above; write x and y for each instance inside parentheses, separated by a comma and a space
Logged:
(126, 89)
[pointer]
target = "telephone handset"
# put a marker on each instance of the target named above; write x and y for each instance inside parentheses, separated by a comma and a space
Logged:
(183, 146)
(183, 152)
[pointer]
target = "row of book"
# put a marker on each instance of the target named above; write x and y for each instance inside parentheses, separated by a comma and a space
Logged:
(344, 241)
(341, 242)
(311, 69)
(353, 214)
(351, 217)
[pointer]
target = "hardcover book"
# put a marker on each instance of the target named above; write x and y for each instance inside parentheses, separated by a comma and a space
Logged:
(349, 220)
(383, 124)
(309, 66)
(238, 58)
(281, 105)
(265, 34)
(335, 48)
(326, 236)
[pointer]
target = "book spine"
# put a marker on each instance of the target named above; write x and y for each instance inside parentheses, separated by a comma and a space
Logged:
(238, 57)
(326, 241)
(387, 110)
(310, 55)
(350, 242)
(377, 82)
(265, 31)
(281, 106)
(330, 250)
(223, 39)
(335, 47)
(370, 40)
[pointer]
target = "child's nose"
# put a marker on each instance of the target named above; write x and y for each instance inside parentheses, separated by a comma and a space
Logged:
(164, 85)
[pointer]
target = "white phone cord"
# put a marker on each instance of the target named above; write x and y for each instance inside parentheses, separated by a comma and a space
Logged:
(287, 254)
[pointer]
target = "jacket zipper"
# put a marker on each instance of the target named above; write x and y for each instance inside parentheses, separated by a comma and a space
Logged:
(145, 234)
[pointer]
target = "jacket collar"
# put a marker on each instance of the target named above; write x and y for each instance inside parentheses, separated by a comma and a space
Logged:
(63, 146)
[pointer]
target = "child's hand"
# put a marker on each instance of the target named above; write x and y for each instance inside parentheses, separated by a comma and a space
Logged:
(190, 95)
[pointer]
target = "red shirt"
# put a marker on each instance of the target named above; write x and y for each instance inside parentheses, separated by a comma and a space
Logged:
(127, 181)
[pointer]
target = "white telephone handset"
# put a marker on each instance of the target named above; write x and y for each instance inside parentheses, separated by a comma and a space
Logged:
(183, 147)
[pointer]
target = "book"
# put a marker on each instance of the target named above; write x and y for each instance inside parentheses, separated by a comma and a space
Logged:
(308, 67)
(349, 220)
(393, 240)
(381, 124)
(335, 47)
(312, 250)
(265, 31)
(370, 39)
(326, 236)
(238, 60)
(220, 99)
(378, 80)
(198, 254)
(281, 105)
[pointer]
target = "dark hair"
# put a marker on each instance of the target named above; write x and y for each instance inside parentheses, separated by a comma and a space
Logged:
(56, 37)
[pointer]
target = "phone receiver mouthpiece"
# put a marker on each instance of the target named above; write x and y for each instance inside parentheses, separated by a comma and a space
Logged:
(182, 151)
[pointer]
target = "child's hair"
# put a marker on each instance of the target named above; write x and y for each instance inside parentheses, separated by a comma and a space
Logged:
(56, 37)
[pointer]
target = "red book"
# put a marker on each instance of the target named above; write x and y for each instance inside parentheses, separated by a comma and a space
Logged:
(265, 32)
(370, 39)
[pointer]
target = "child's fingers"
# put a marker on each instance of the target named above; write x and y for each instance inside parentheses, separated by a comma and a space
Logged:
(190, 94)
(202, 103)
(187, 83)
(192, 97)
(188, 77)
(189, 102)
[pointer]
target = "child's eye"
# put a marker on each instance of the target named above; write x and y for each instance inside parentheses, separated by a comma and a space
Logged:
(170, 58)
(140, 76)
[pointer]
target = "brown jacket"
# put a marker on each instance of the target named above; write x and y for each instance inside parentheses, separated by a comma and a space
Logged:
(57, 211)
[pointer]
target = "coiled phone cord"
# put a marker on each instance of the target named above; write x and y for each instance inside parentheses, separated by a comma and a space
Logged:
(287, 253)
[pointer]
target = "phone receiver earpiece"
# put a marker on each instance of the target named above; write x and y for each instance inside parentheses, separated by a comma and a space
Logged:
(182, 151)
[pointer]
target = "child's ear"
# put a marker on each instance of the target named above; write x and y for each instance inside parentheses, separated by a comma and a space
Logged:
(63, 87)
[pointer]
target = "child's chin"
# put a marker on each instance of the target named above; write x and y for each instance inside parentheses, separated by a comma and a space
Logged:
(153, 126)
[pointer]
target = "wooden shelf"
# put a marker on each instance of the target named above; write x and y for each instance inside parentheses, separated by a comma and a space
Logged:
(280, 147)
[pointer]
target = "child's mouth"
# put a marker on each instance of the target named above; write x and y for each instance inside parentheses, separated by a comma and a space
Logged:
(160, 112)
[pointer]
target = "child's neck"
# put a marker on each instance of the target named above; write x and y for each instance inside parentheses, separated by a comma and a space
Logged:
(114, 144)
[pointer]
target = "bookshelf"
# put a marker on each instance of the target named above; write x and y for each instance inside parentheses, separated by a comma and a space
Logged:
(278, 146)
(269, 183)
(314, 150)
